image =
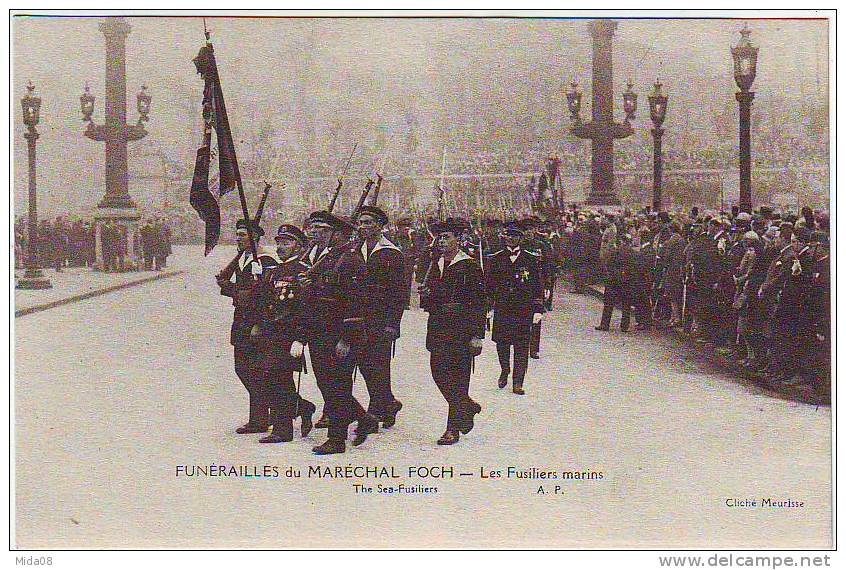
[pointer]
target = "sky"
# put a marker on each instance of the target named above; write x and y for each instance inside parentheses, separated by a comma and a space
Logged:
(365, 69)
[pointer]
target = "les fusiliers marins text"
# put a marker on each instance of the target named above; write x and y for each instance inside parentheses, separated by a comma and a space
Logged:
(351, 471)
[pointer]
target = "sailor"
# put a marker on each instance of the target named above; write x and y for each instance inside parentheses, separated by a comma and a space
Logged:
(453, 295)
(238, 281)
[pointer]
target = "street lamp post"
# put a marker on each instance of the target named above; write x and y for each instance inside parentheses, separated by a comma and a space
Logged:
(745, 57)
(33, 278)
(657, 111)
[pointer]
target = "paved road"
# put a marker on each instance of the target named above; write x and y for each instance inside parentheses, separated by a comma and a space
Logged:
(113, 393)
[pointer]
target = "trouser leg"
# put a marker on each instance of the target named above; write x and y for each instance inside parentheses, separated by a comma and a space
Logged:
(374, 361)
(607, 307)
(245, 368)
(447, 374)
(535, 338)
(281, 394)
(503, 352)
(521, 361)
(334, 379)
(626, 307)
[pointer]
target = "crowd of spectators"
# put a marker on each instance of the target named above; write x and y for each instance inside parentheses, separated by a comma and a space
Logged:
(754, 287)
(66, 242)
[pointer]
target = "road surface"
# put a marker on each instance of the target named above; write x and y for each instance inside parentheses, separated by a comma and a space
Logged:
(112, 394)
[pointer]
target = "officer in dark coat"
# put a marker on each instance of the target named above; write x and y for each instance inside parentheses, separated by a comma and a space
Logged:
(513, 283)
(453, 294)
(329, 294)
(281, 336)
(382, 296)
(246, 272)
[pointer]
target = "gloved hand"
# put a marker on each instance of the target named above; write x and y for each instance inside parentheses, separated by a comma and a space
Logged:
(256, 269)
(536, 318)
(297, 349)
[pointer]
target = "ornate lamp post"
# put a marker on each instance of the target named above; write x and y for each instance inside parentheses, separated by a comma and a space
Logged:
(33, 278)
(657, 111)
(116, 205)
(602, 130)
(745, 57)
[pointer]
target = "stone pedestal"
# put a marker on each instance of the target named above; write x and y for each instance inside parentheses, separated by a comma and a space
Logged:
(128, 221)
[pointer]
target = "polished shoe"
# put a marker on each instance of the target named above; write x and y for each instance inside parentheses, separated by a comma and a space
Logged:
(323, 422)
(390, 418)
(535, 355)
(519, 390)
(602, 328)
(450, 437)
(366, 425)
(305, 414)
(247, 428)
(503, 379)
(467, 424)
(330, 446)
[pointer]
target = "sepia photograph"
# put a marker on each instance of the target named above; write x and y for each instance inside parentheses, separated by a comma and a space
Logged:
(408, 280)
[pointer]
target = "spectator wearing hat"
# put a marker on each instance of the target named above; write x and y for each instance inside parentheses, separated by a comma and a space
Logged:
(781, 301)
(281, 336)
(620, 265)
(513, 282)
(669, 265)
(743, 302)
(239, 281)
(453, 295)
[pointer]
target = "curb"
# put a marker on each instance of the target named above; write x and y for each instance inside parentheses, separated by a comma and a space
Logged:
(798, 394)
(95, 293)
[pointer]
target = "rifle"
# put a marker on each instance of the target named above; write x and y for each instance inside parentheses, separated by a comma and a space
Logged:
(688, 270)
(260, 209)
(375, 199)
(441, 188)
(341, 180)
(361, 199)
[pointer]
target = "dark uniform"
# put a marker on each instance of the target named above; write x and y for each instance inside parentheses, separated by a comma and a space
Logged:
(328, 300)
(381, 298)
(453, 295)
(282, 323)
(243, 292)
(514, 285)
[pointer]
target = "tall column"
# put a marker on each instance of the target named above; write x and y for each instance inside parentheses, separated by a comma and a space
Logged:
(602, 130)
(744, 99)
(115, 31)
(602, 108)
